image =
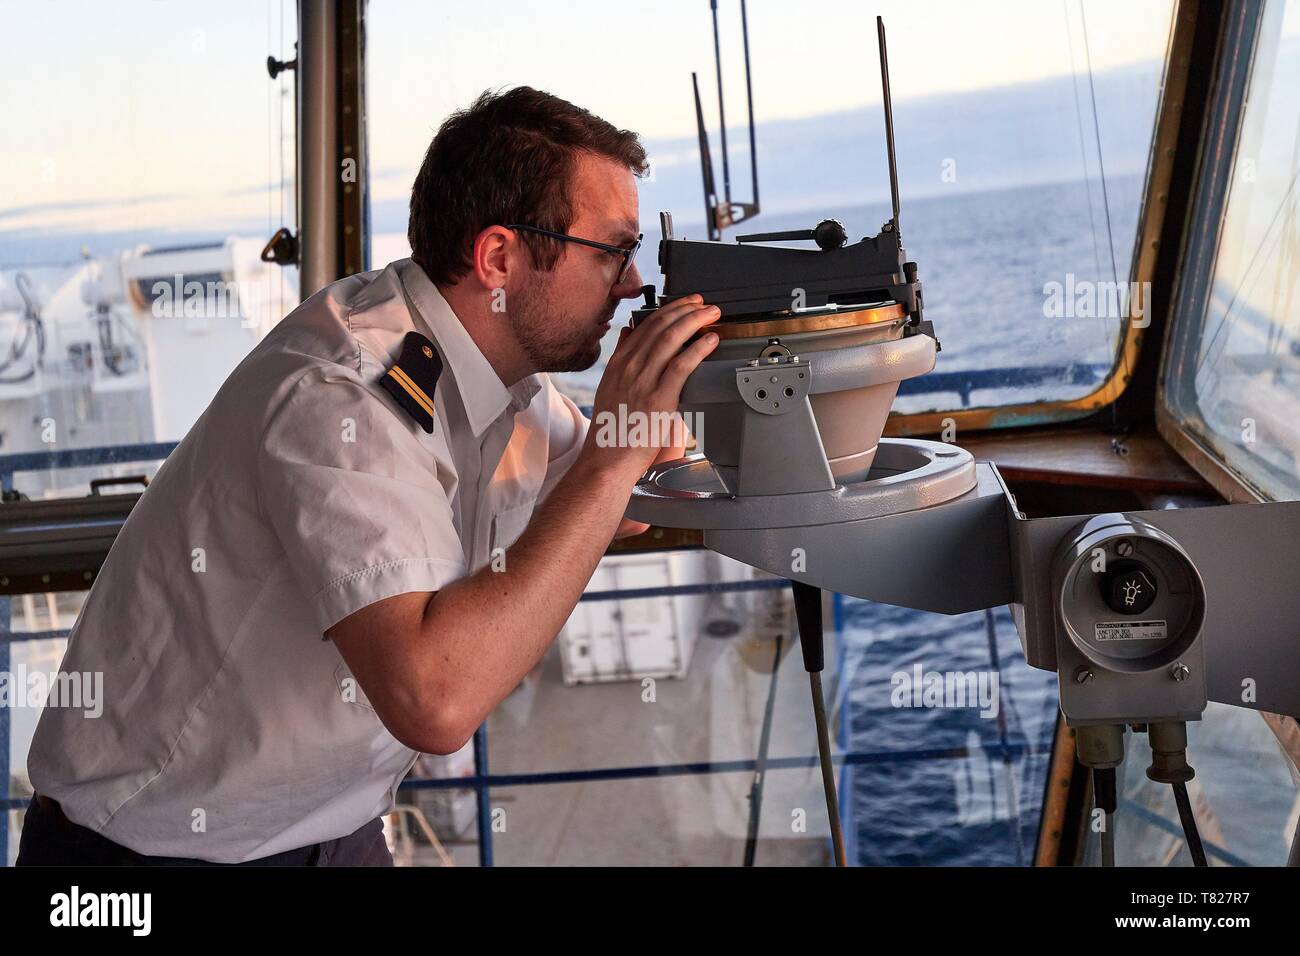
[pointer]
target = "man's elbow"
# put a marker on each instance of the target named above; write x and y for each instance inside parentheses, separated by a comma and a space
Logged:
(434, 728)
(444, 742)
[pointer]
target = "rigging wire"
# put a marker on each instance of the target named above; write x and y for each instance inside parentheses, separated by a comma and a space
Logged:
(1083, 144)
(1101, 164)
(1268, 239)
(1087, 181)
(1105, 204)
(1290, 266)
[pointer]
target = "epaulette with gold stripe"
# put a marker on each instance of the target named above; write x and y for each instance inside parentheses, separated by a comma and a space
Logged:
(413, 377)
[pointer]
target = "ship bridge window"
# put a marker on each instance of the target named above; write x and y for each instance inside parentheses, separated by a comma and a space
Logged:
(1023, 133)
(1232, 378)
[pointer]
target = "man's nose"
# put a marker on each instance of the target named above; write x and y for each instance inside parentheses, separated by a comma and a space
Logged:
(631, 285)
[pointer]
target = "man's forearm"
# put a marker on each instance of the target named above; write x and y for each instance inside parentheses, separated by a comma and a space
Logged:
(627, 527)
(486, 631)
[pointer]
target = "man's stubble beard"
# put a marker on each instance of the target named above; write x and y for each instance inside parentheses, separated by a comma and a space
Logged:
(549, 336)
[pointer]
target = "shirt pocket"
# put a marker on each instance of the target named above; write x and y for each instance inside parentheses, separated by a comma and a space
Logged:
(508, 524)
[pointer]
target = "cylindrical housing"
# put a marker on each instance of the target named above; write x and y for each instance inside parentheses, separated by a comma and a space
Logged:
(855, 374)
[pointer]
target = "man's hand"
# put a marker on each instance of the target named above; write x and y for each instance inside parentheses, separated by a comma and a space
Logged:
(644, 377)
(435, 665)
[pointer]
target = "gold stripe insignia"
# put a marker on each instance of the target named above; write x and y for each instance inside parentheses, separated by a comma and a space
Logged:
(411, 389)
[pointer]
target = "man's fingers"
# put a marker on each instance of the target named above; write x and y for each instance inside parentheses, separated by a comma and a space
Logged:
(684, 304)
(645, 334)
(686, 362)
(673, 336)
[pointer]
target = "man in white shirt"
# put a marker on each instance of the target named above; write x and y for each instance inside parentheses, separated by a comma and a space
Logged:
(379, 524)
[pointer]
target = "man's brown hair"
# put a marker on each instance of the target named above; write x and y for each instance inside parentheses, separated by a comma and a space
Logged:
(506, 159)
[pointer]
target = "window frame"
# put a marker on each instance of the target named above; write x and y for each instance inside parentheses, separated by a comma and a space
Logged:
(1233, 72)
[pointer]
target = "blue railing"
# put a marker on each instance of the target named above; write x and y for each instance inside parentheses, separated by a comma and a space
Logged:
(80, 458)
(482, 781)
(965, 384)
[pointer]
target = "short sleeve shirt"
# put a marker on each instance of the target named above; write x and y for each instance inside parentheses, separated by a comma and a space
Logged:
(230, 730)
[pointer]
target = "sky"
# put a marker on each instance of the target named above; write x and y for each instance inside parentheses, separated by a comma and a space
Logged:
(810, 57)
(160, 112)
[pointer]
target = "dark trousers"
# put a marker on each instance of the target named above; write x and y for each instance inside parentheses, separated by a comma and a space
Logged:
(50, 839)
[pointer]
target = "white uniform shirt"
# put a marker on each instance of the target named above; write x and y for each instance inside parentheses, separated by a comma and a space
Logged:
(230, 729)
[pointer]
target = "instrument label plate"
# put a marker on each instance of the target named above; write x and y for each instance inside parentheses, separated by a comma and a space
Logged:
(1131, 631)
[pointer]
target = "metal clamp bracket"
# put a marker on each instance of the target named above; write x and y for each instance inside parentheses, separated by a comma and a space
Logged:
(775, 385)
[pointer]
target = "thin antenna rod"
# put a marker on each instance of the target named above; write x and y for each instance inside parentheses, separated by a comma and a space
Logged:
(722, 113)
(889, 117)
(706, 165)
(749, 94)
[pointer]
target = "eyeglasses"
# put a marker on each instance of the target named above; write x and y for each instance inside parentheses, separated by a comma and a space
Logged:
(628, 254)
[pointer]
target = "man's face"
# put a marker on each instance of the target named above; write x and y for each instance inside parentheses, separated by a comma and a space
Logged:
(559, 317)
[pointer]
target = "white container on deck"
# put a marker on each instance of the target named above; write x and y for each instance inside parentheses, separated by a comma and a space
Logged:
(635, 638)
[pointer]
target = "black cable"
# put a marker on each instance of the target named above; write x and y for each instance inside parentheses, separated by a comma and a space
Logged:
(104, 324)
(760, 761)
(1108, 841)
(112, 360)
(33, 327)
(1189, 825)
(1105, 798)
(828, 768)
(17, 348)
(808, 609)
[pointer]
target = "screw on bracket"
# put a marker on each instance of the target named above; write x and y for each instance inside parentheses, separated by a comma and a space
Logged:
(784, 384)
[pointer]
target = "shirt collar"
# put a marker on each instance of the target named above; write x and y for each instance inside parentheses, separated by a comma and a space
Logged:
(485, 397)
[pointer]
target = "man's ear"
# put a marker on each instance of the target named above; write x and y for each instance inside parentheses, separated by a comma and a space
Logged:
(497, 250)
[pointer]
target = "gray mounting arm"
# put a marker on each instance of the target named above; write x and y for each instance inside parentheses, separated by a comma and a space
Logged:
(1226, 626)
